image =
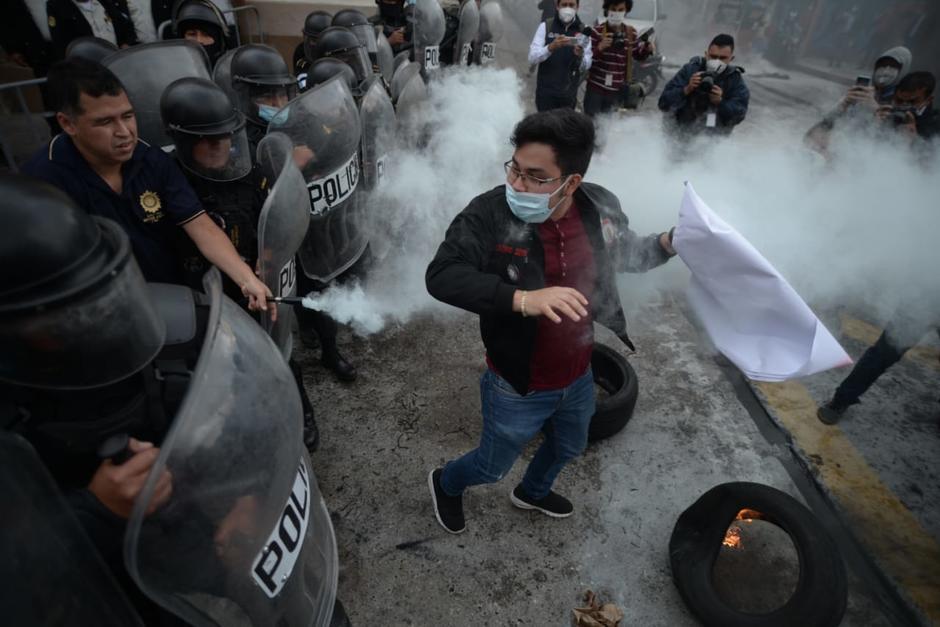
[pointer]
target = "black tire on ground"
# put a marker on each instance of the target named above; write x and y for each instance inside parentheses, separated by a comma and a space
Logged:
(822, 590)
(615, 375)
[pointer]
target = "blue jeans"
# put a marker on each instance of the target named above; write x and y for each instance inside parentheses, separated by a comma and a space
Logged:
(510, 421)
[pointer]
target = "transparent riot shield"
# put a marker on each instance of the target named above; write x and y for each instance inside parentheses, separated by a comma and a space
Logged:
(365, 33)
(466, 32)
(243, 538)
(491, 30)
(385, 57)
(429, 30)
(282, 226)
(403, 75)
(222, 74)
(411, 103)
(51, 572)
(146, 70)
(323, 125)
(378, 131)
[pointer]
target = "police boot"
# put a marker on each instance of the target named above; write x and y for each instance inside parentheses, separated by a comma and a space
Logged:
(332, 359)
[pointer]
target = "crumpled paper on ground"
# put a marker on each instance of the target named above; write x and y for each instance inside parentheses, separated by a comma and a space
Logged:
(596, 615)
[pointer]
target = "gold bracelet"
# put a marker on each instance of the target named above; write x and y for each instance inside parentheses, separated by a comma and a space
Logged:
(522, 304)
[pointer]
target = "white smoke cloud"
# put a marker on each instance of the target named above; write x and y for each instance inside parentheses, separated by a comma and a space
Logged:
(859, 231)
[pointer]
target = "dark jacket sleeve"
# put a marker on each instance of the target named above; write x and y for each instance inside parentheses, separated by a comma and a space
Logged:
(124, 31)
(734, 102)
(457, 275)
(104, 528)
(673, 96)
(629, 252)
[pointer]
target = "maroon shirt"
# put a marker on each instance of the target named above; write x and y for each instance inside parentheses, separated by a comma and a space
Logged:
(611, 62)
(563, 351)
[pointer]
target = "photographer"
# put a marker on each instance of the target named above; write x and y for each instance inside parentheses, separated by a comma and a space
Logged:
(562, 51)
(911, 111)
(708, 93)
(613, 41)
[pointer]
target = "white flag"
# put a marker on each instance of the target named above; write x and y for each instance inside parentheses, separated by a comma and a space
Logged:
(747, 308)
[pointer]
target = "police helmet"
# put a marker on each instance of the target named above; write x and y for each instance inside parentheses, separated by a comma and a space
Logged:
(89, 48)
(350, 18)
(341, 43)
(315, 23)
(326, 68)
(206, 128)
(75, 312)
(205, 16)
(261, 81)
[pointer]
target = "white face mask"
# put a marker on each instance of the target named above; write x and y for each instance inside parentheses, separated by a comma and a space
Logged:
(615, 18)
(567, 14)
(715, 66)
(885, 76)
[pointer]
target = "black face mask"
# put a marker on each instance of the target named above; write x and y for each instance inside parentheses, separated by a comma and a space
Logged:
(390, 11)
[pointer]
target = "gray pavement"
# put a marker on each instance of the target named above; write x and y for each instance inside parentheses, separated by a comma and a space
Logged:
(416, 405)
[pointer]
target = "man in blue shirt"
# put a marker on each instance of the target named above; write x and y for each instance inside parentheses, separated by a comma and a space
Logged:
(99, 161)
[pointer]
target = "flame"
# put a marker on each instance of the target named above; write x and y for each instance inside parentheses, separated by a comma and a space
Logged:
(733, 537)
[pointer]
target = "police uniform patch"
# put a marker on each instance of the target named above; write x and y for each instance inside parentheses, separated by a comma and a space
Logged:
(51, 22)
(150, 203)
(513, 272)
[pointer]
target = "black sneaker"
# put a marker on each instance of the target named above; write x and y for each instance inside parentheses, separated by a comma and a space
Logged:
(831, 412)
(554, 505)
(447, 509)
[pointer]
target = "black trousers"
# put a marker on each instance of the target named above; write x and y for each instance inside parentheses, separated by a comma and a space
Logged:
(547, 102)
(876, 360)
(322, 324)
(596, 102)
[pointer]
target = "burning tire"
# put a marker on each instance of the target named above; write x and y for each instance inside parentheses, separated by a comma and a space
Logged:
(615, 376)
(821, 591)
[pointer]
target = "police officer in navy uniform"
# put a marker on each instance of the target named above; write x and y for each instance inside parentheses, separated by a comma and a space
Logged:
(99, 162)
(212, 149)
(315, 23)
(108, 19)
(562, 53)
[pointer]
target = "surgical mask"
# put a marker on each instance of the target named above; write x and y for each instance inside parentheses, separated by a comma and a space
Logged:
(532, 208)
(267, 112)
(567, 14)
(715, 66)
(885, 76)
(615, 18)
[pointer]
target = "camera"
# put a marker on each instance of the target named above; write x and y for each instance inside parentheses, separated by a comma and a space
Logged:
(619, 41)
(898, 116)
(708, 81)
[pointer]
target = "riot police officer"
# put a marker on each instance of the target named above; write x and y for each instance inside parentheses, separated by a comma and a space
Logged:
(326, 68)
(263, 85)
(392, 18)
(213, 150)
(90, 351)
(201, 21)
(315, 23)
(338, 42)
(364, 31)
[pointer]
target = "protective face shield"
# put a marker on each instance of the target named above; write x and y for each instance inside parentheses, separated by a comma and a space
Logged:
(325, 130)
(615, 18)
(360, 27)
(467, 32)
(338, 42)
(282, 225)
(315, 23)
(215, 157)
(385, 57)
(533, 208)
(567, 14)
(50, 568)
(429, 28)
(75, 312)
(146, 71)
(245, 537)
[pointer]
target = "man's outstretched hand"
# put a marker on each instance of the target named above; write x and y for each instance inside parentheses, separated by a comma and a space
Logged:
(550, 302)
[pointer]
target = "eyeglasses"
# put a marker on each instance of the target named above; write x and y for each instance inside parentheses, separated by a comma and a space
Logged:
(513, 173)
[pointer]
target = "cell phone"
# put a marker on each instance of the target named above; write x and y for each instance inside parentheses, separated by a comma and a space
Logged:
(646, 35)
(863, 81)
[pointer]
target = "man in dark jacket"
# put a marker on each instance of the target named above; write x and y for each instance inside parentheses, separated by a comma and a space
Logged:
(708, 93)
(108, 19)
(562, 52)
(536, 260)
